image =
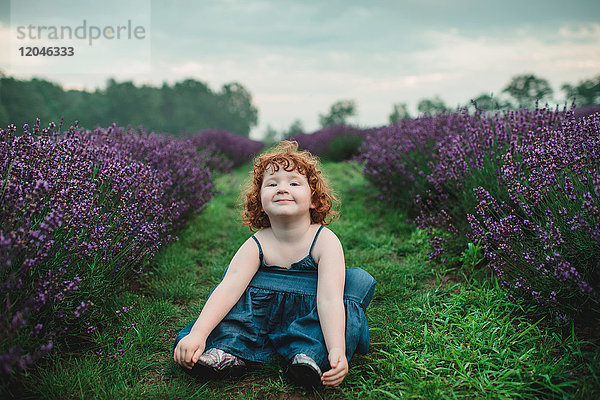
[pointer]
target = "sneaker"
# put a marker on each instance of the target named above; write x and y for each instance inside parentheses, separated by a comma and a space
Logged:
(215, 363)
(219, 360)
(304, 371)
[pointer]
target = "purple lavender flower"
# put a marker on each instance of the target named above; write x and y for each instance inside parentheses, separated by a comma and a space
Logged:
(79, 205)
(337, 142)
(525, 183)
(233, 147)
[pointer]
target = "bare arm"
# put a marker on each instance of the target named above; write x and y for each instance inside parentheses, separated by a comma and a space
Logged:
(242, 268)
(330, 305)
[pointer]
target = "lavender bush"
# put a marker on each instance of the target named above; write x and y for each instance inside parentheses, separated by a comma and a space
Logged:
(336, 143)
(235, 148)
(470, 156)
(80, 214)
(586, 111)
(431, 166)
(184, 168)
(543, 243)
(398, 158)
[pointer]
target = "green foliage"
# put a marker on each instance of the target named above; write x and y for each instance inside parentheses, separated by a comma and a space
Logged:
(339, 113)
(461, 201)
(486, 103)
(189, 106)
(471, 258)
(585, 93)
(527, 89)
(271, 135)
(343, 147)
(432, 335)
(240, 114)
(432, 106)
(399, 113)
(295, 128)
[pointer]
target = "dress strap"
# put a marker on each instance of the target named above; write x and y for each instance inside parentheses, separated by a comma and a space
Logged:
(315, 239)
(260, 252)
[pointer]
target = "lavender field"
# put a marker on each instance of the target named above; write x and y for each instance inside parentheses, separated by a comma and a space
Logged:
(518, 191)
(83, 213)
(510, 199)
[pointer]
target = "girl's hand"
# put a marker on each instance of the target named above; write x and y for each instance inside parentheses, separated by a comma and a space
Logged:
(188, 350)
(339, 368)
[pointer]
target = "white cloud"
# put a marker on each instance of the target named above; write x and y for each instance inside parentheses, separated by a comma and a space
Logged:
(191, 69)
(290, 82)
(587, 32)
(457, 67)
(514, 53)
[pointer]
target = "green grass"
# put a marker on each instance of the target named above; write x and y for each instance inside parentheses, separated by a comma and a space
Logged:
(433, 335)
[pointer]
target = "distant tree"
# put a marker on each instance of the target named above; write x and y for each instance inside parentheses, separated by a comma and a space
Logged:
(586, 93)
(53, 95)
(127, 104)
(295, 127)
(484, 102)
(338, 113)
(487, 102)
(194, 108)
(148, 110)
(90, 109)
(241, 115)
(399, 113)
(189, 105)
(23, 103)
(271, 135)
(123, 100)
(3, 117)
(167, 107)
(527, 89)
(432, 106)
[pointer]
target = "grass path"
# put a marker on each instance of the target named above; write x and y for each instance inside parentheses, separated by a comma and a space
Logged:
(432, 336)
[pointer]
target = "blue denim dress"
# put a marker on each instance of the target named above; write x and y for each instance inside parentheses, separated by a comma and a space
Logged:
(277, 314)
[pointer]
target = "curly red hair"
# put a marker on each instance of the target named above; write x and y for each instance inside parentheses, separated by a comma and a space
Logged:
(287, 156)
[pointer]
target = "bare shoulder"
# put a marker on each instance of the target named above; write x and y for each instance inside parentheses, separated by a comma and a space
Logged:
(329, 255)
(327, 243)
(328, 236)
(246, 258)
(249, 247)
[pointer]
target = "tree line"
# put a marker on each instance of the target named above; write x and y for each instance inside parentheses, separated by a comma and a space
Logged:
(191, 106)
(186, 106)
(522, 90)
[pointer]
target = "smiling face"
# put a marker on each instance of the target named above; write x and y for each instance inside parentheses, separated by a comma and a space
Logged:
(285, 194)
(301, 163)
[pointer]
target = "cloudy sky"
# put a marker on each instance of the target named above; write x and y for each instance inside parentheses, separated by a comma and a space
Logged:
(298, 57)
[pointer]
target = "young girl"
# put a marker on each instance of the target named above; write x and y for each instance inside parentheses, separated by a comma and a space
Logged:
(286, 292)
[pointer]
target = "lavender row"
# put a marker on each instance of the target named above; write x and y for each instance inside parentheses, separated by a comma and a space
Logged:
(477, 178)
(543, 243)
(81, 213)
(235, 149)
(336, 143)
